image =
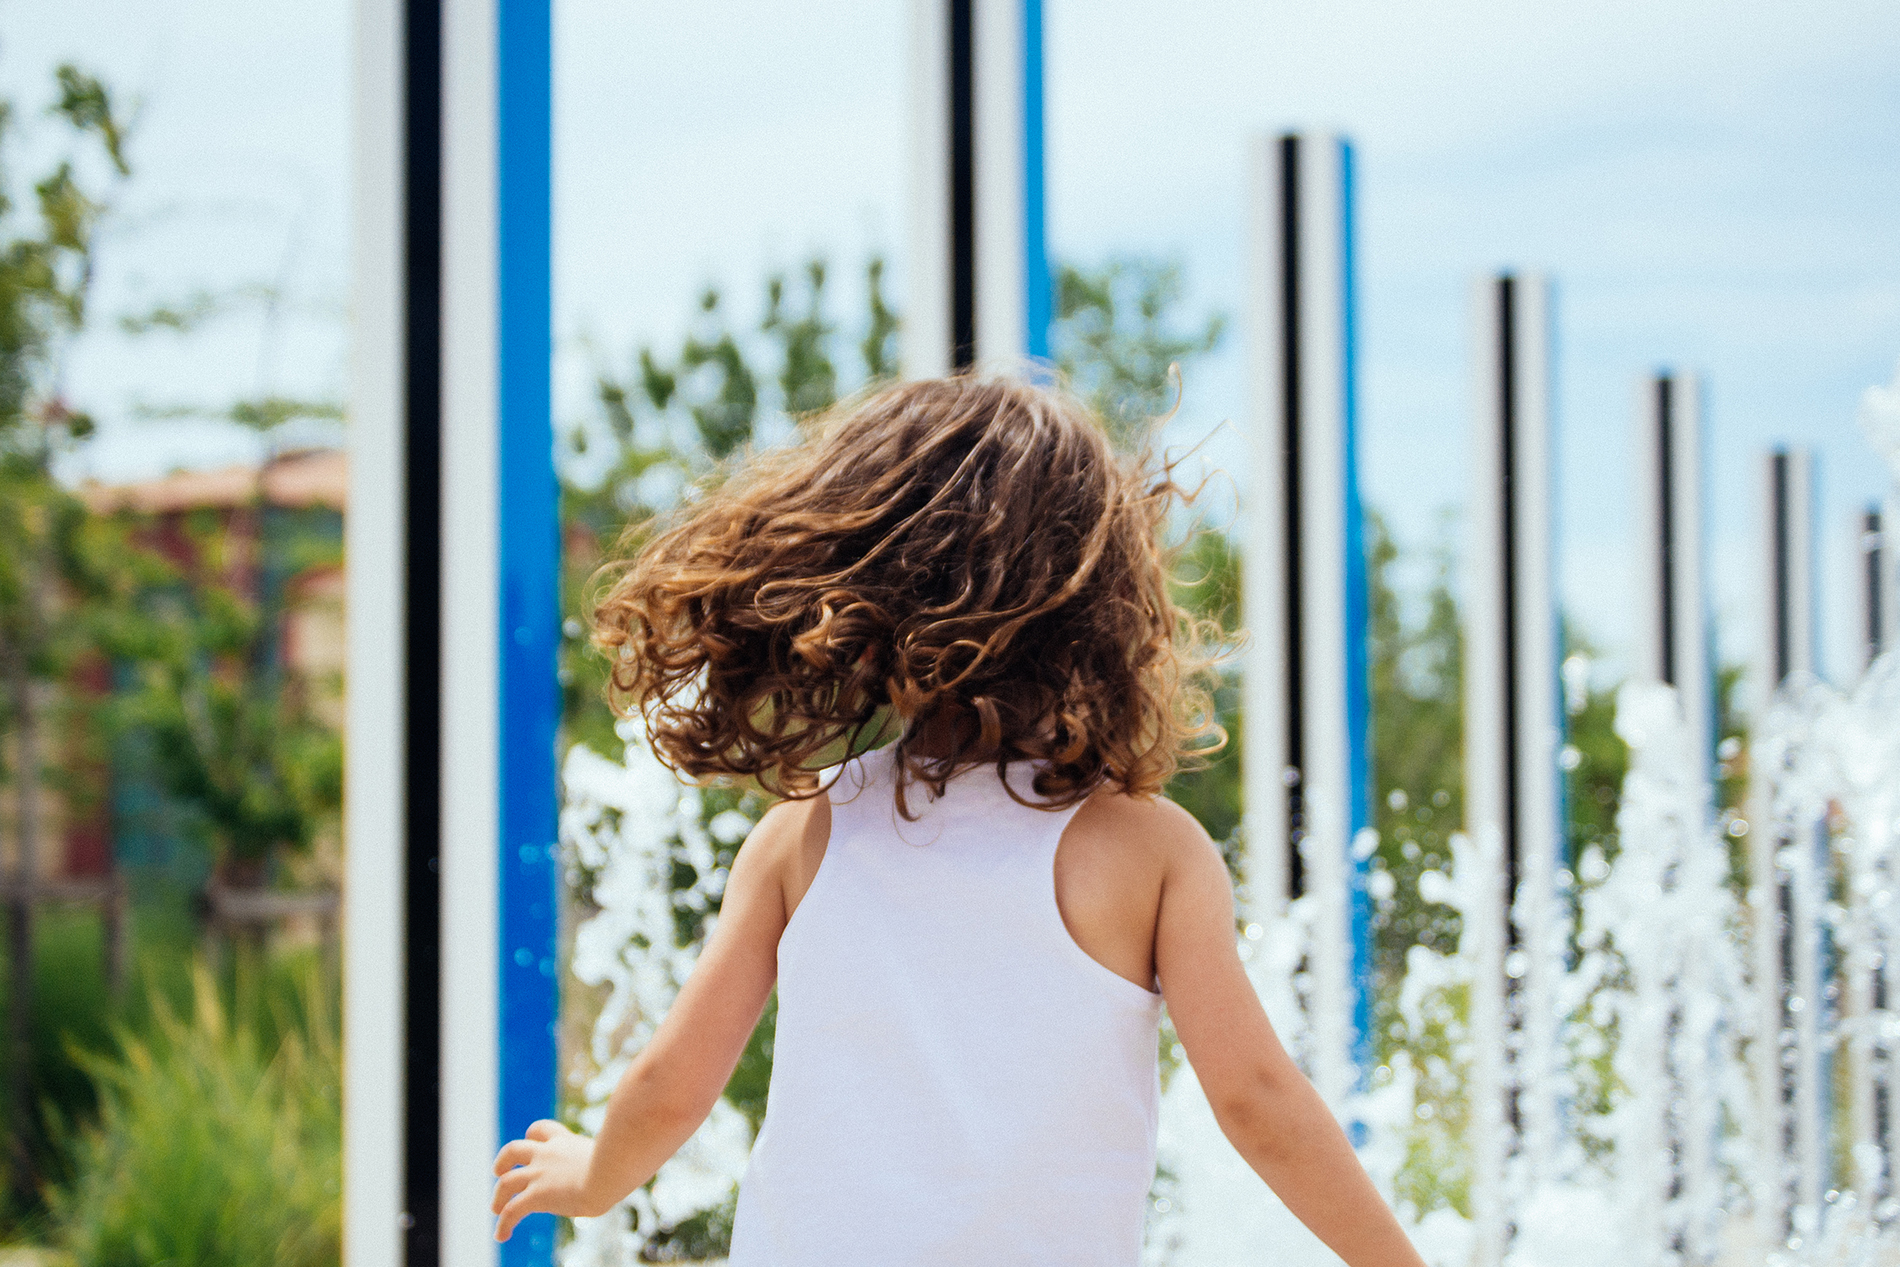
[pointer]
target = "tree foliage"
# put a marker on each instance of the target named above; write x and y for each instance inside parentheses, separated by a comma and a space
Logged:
(232, 732)
(1115, 339)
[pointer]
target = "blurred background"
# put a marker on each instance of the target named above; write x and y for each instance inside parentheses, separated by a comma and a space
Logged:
(1712, 190)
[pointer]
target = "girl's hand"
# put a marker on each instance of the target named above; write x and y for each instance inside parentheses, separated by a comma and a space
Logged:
(546, 1173)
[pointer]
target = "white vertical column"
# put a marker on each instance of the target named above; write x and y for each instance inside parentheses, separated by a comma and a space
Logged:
(1784, 883)
(975, 248)
(1306, 777)
(1673, 649)
(470, 630)
(1865, 951)
(373, 921)
(1513, 734)
(1672, 599)
(1878, 627)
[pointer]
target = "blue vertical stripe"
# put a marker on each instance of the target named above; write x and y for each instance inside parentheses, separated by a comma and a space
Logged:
(529, 562)
(1358, 684)
(1038, 289)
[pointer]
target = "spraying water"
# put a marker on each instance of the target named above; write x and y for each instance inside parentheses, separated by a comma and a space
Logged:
(1667, 1148)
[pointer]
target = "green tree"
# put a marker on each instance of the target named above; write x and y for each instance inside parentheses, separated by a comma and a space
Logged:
(1115, 340)
(1417, 688)
(668, 421)
(52, 558)
(232, 732)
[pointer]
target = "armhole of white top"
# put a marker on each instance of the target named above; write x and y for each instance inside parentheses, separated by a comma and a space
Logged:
(827, 781)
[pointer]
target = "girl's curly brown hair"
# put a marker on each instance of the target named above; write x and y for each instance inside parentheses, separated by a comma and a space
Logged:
(955, 550)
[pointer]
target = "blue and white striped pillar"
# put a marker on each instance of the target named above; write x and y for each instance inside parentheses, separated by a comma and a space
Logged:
(452, 987)
(1513, 740)
(1673, 637)
(978, 289)
(1307, 776)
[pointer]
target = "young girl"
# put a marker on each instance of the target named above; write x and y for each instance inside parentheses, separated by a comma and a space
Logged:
(972, 930)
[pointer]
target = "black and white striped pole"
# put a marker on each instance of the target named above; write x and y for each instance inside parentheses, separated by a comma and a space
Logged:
(1786, 875)
(978, 284)
(1673, 648)
(1875, 573)
(1307, 776)
(1673, 636)
(1513, 740)
(1864, 963)
(451, 986)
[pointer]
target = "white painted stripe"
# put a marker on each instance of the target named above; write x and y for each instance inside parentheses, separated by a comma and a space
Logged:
(469, 633)
(373, 542)
(924, 340)
(1890, 573)
(1695, 680)
(1001, 333)
(1264, 755)
(1484, 773)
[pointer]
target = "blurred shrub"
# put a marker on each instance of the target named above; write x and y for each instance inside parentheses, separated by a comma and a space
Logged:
(218, 1141)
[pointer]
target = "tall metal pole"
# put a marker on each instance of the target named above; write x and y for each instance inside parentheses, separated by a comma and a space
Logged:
(1673, 595)
(1879, 626)
(451, 986)
(977, 269)
(1673, 648)
(1865, 960)
(1307, 776)
(1513, 736)
(1785, 877)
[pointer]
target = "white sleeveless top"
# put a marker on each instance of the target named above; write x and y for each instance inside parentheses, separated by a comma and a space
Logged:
(954, 1080)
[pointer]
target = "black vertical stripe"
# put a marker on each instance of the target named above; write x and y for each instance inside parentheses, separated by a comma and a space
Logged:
(1507, 335)
(962, 185)
(1508, 515)
(422, 630)
(1666, 512)
(1783, 601)
(1290, 422)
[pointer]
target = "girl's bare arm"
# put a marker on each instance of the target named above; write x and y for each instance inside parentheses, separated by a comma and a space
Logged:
(1264, 1104)
(678, 1076)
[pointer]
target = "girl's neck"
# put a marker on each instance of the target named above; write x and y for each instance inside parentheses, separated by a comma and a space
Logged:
(946, 731)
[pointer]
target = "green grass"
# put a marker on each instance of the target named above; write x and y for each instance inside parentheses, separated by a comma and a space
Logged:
(218, 1136)
(77, 1022)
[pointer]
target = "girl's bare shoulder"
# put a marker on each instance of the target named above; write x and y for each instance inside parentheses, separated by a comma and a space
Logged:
(786, 847)
(1150, 831)
(1123, 854)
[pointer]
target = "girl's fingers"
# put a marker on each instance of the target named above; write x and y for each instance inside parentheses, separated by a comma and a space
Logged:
(509, 1185)
(511, 1214)
(545, 1130)
(514, 1153)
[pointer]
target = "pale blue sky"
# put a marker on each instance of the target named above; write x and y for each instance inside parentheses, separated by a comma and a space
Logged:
(1711, 190)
